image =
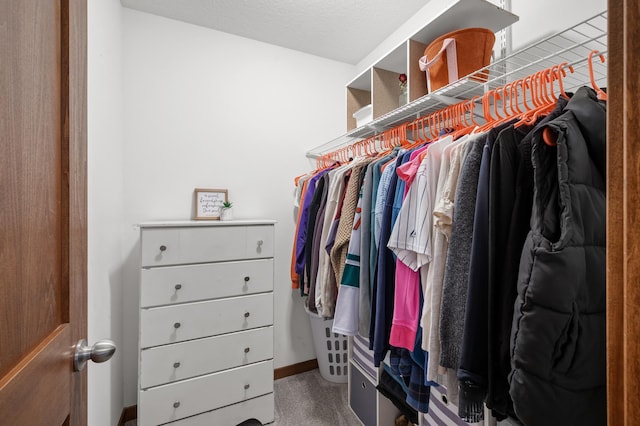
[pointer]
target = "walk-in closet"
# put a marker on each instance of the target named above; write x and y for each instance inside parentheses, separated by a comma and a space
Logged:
(360, 213)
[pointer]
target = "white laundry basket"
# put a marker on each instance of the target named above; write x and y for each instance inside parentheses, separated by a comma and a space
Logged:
(331, 350)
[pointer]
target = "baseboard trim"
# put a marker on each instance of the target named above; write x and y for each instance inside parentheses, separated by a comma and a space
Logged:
(128, 413)
(293, 369)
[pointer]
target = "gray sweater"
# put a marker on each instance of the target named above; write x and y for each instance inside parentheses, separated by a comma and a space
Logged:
(454, 290)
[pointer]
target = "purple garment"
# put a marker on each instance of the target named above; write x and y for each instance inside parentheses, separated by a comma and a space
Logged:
(315, 249)
(301, 238)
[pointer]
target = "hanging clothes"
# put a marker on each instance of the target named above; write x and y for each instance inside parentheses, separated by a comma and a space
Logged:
(454, 291)
(364, 301)
(325, 280)
(310, 262)
(345, 224)
(475, 262)
(410, 241)
(385, 285)
(510, 204)
(559, 347)
(347, 314)
(474, 351)
(442, 220)
(313, 249)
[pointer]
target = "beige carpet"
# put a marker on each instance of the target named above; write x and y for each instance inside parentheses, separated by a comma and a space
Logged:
(308, 400)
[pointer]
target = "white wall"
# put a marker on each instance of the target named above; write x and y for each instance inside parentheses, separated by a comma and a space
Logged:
(542, 18)
(209, 109)
(105, 206)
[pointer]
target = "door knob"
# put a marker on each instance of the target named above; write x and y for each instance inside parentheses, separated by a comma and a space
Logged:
(101, 351)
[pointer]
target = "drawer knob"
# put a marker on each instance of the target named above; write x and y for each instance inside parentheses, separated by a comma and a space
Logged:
(246, 350)
(176, 364)
(247, 386)
(260, 243)
(163, 248)
(246, 279)
(177, 325)
(247, 314)
(176, 404)
(178, 286)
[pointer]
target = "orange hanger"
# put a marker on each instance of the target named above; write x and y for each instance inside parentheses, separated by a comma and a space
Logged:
(463, 115)
(404, 139)
(533, 87)
(486, 110)
(464, 126)
(371, 146)
(422, 129)
(472, 110)
(561, 73)
(600, 93)
(538, 85)
(436, 128)
(513, 95)
(365, 146)
(547, 103)
(523, 90)
(507, 102)
(550, 74)
(497, 95)
(527, 90)
(548, 136)
(459, 119)
(431, 123)
(417, 130)
(524, 85)
(462, 109)
(458, 116)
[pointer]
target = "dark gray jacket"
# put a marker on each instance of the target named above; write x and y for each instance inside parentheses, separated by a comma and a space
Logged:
(558, 336)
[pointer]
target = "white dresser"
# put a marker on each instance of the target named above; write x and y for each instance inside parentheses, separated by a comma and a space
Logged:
(206, 323)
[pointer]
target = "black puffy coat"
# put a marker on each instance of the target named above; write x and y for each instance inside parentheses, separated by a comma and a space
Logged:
(558, 335)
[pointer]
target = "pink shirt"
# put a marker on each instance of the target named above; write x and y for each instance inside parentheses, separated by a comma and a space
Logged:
(407, 289)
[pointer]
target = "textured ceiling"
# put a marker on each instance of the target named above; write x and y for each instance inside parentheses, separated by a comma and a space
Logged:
(343, 30)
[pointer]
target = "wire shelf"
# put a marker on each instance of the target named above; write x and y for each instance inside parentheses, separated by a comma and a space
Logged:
(572, 46)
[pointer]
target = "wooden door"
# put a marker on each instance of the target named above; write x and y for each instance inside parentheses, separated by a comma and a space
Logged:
(42, 210)
(623, 214)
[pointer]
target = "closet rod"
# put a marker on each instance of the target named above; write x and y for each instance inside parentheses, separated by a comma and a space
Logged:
(494, 104)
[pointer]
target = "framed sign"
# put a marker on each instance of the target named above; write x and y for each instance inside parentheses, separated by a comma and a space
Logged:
(208, 203)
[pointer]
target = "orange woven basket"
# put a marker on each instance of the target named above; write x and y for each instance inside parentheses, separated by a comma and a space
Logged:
(473, 47)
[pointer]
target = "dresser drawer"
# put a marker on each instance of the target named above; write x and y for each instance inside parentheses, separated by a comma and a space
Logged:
(170, 324)
(174, 246)
(178, 284)
(260, 408)
(169, 363)
(194, 396)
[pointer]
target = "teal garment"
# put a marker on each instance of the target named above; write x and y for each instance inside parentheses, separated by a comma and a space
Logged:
(373, 252)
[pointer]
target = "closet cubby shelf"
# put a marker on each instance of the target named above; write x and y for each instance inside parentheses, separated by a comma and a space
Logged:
(379, 86)
(571, 45)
